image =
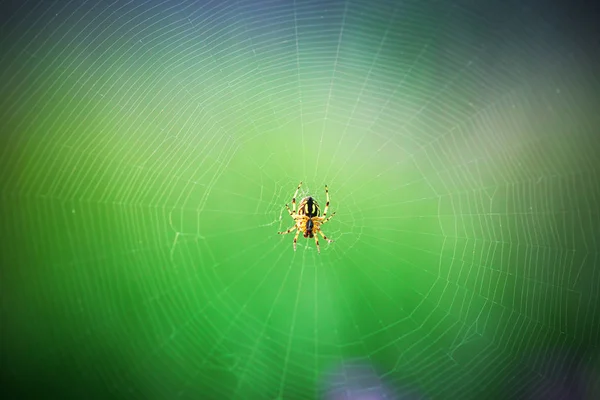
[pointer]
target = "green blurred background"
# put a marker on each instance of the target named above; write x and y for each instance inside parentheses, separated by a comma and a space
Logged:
(148, 150)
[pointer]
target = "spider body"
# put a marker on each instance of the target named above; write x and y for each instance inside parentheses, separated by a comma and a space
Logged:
(309, 208)
(308, 219)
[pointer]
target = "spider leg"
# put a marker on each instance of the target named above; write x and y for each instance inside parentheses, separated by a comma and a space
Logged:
(294, 198)
(327, 203)
(325, 237)
(317, 242)
(288, 231)
(296, 239)
(328, 218)
(290, 211)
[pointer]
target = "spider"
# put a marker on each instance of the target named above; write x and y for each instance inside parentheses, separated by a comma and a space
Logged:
(308, 219)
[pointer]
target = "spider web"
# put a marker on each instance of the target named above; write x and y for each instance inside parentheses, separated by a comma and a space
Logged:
(150, 148)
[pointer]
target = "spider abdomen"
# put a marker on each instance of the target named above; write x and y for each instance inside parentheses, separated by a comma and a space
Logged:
(309, 207)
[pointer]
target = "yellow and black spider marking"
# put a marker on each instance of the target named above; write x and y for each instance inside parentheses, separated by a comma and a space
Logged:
(308, 219)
